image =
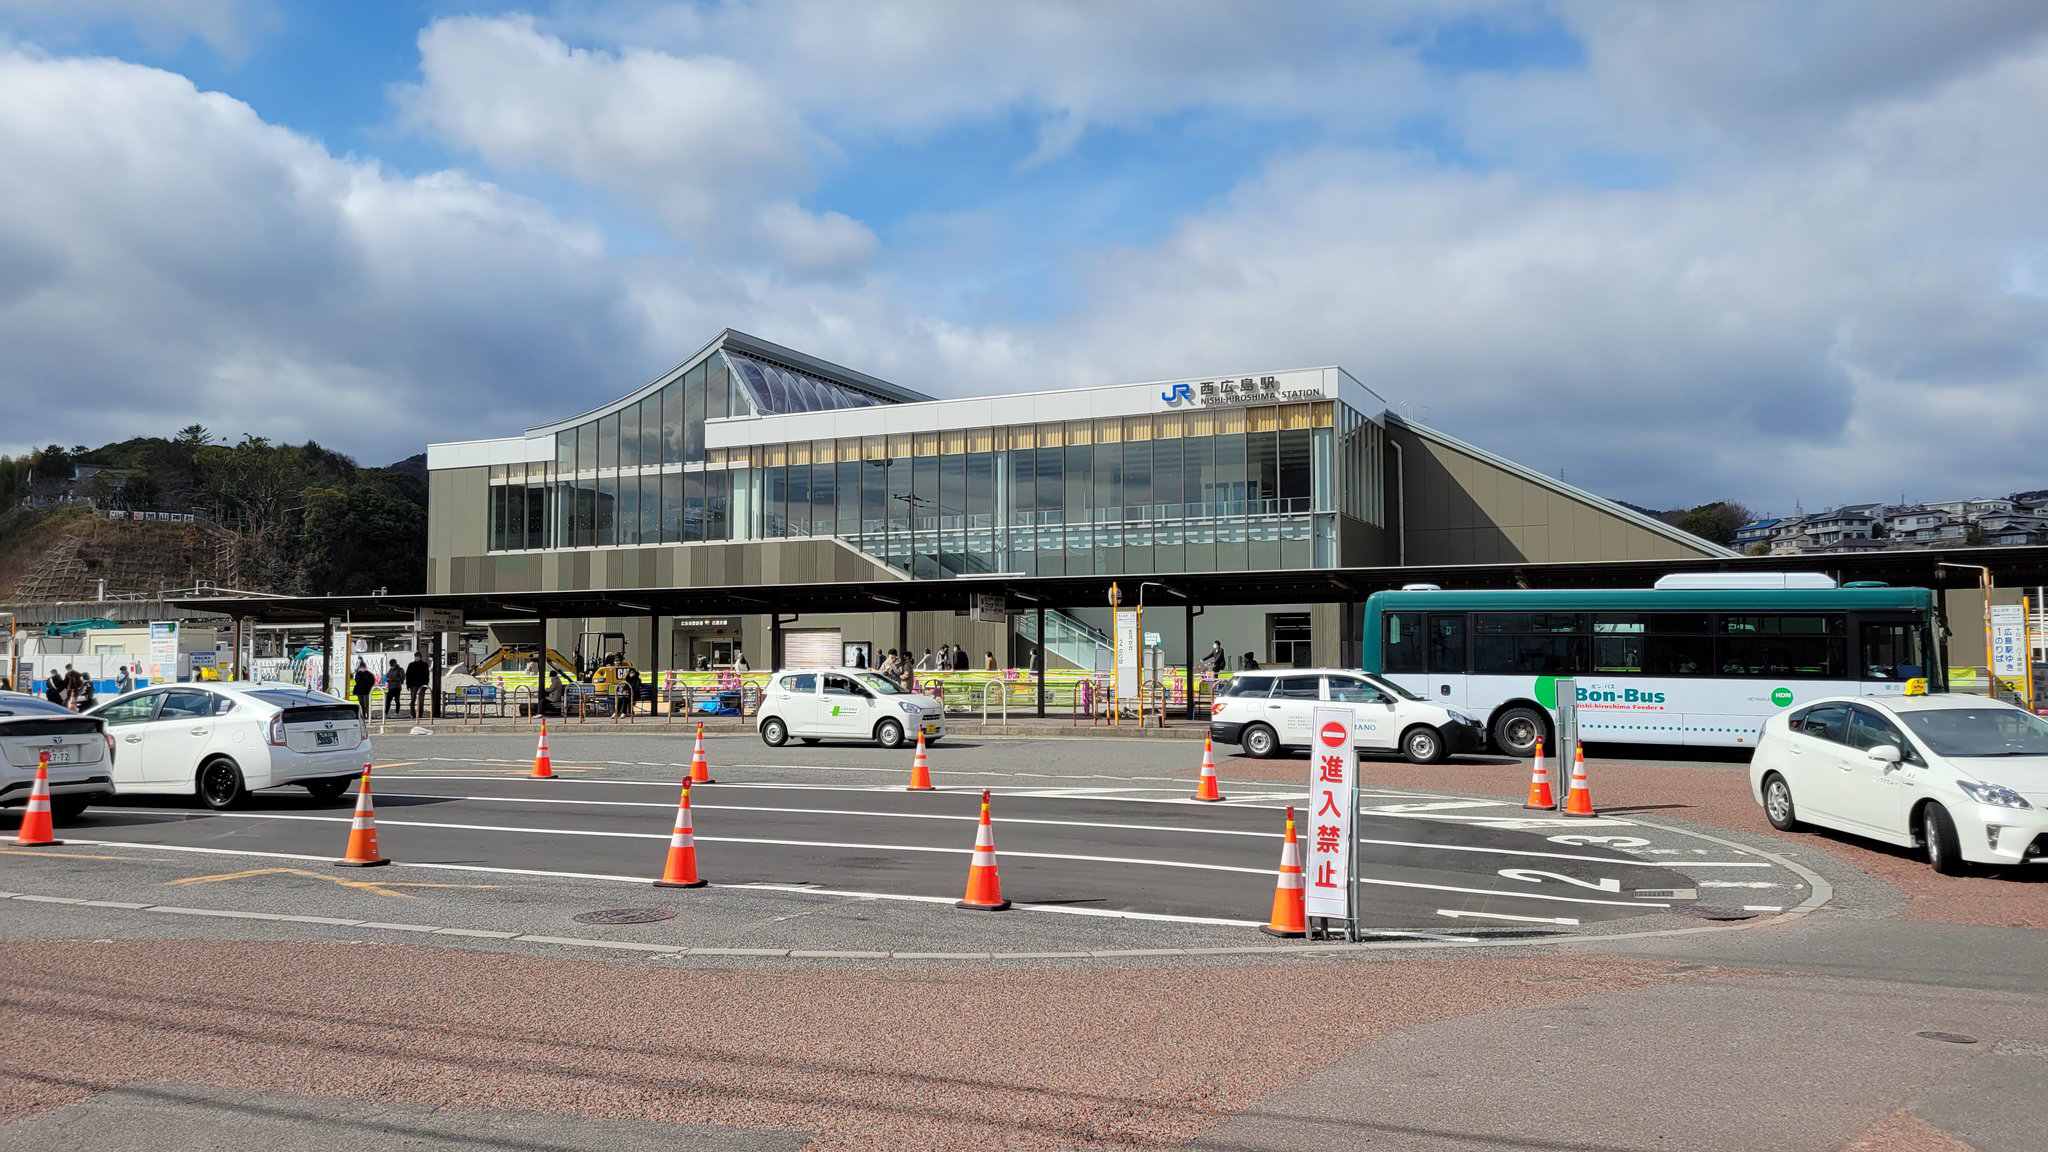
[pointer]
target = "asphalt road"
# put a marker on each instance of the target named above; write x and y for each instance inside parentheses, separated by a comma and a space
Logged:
(1125, 842)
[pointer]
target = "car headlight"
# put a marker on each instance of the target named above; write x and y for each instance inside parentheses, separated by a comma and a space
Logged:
(909, 709)
(1460, 718)
(1993, 794)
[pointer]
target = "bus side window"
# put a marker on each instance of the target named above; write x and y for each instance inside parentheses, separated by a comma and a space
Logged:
(1403, 642)
(1447, 645)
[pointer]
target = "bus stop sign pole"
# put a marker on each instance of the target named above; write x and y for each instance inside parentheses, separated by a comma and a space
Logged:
(1567, 733)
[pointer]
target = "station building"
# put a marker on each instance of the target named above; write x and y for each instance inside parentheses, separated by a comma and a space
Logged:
(752, 464)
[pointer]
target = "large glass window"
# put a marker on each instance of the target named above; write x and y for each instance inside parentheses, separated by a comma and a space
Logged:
(1447, 643)
(798, 511)
(823, 484)
(874, 505)
(1137, 480)
(899, 513)
(1051, 486)
(775, 483)
(629, 437)
(693, 415)
(586, 447)
(565, 451)
(1262, 471)
(694, 525)
(1166, 499)
(717, 504)
(672, 508)
(672, 422)
(536, 516)
(717, 383)
(1226, 489)
(1023, 485)
(1297, 469)
(1109, 476)
(628, 489)
(848, 482)
(607, 442)
(650, 430)
(607, 522)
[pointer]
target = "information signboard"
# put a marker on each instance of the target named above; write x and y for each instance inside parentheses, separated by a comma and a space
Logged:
(1332, 789)
(2008, 641)
(439, 619)
(1127, 678)
(163, 651)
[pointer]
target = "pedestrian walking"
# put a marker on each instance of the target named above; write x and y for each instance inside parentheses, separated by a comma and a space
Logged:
(365, 686)
(417, 678)
(988, 660)
(632, 692)
(739, 662)
(959, 658)
(123, 682)
(1215, 661)
(394, 686)
(74, 688)
(925, 664)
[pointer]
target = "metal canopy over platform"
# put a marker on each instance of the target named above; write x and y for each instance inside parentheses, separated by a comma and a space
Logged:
(2009, 567)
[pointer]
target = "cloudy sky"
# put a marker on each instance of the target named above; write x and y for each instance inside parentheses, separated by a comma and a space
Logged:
(1681, 251)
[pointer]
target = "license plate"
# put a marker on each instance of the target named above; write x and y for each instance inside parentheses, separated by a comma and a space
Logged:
(931, 729)
(63, 755)
(326, 739)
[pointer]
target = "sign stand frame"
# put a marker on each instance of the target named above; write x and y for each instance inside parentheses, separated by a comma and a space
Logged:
(1567, 725)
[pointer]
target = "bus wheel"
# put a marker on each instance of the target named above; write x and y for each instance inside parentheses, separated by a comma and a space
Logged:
(1516, 731)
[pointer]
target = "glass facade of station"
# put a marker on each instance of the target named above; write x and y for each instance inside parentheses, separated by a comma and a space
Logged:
(1258, 487)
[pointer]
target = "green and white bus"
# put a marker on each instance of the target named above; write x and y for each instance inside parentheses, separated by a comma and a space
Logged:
(1680, 664)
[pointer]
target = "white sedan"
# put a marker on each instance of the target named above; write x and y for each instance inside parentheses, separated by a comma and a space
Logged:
(220, 741)
(846, 704)
(1962, 777)
(79, 753)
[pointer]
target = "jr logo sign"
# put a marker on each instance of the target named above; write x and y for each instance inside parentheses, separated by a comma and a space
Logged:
(1177, 394)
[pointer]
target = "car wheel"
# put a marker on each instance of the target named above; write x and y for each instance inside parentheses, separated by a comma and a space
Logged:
(774, 732)
(68, 807)
(1422, 745)
(220, 784)
(1259, 742)
(889, 734)
(809, 739)
(1516, 731)
(1778, 806)
(331, 789)
(1939, 832)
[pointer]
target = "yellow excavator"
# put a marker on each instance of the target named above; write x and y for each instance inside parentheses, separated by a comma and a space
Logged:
(602, 657)
(523, 660)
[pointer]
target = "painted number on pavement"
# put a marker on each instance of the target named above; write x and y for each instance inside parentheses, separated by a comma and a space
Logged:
(1532, 876)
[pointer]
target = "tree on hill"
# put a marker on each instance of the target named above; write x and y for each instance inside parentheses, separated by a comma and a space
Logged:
(1716, 522)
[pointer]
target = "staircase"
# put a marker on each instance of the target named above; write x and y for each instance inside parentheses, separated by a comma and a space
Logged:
(1067, 639)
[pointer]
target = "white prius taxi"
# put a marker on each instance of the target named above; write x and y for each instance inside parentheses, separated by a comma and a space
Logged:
(218, 741)
(1962, 777)
(1266, 713)
(814, 704)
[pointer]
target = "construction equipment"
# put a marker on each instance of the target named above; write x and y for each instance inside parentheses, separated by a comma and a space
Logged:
(521, 659)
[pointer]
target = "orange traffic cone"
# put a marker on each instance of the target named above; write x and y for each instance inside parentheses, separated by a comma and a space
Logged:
(1539, 784)
(1290, 916)
(37, 831)
(682, 848)
(920, 769)
(700, 768)
(1207, 789)
(543, 768)
(362, 831)
(984, 890)
(1578, 800)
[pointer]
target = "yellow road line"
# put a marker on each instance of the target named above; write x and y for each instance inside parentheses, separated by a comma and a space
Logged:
(64, 855)
(381, 887)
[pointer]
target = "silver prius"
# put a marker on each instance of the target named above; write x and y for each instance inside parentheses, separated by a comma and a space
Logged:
(80, 756)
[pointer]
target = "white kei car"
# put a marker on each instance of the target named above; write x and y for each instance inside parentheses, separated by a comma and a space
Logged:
(81, 755)
(222, 740)
(1267, 712)
(814, 704)
(1962, 777)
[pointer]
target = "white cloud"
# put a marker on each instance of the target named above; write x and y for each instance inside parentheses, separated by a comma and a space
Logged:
(171, 258)
(231, 27)
(701, 141)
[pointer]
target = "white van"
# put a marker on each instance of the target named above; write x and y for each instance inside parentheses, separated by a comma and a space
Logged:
(1266, 713)
(814, 704)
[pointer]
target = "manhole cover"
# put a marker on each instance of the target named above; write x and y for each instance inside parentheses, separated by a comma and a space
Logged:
(1947, 1037)
(626, 916)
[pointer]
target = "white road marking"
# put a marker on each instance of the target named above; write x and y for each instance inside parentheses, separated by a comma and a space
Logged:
(1508, 895)
(1064, 910)
(1557, 855)
(1763, 908)
(1735, 884)
(715, 806)
(702, 839)
(1454, 913)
